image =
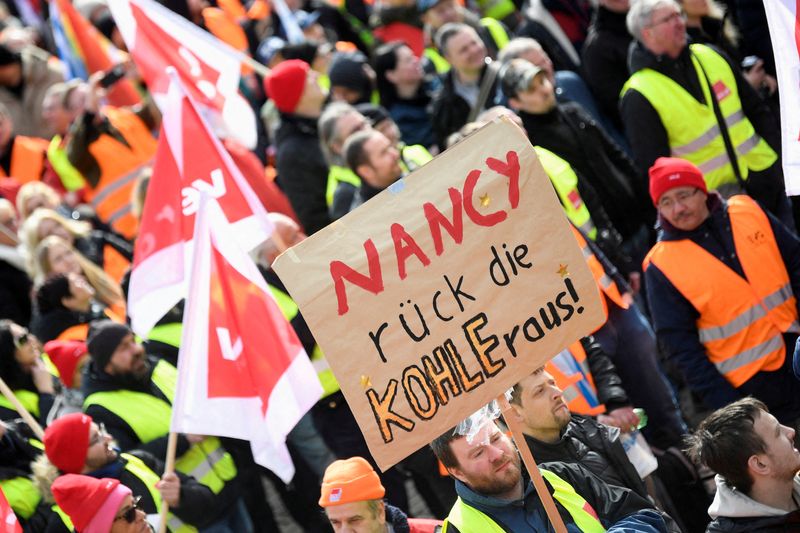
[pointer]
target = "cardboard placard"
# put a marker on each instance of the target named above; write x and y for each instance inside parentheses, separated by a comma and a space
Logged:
(444, 290)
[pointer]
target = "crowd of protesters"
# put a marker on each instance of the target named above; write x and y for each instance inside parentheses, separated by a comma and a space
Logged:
(657, 123)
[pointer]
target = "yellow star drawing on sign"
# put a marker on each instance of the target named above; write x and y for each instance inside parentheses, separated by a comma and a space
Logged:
(485, 200)
(562, 270)
(365, 382)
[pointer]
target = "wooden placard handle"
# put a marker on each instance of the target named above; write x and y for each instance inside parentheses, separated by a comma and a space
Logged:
(527, 458)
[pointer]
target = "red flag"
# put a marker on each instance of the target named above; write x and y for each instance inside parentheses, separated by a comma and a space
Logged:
(8, 520)
(242, 372)
(210, 70)
(189, 160)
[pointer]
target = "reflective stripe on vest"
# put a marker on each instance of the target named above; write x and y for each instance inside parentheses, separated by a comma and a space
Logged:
(497, 9)
(209, 463)
(604, 282)
(120, 164)
(147, 415)
(149, 479)
(22, 496)
(338, 174)
(169, 333)
(496, 30)
(63, 516)
(414, 156)
(71, 179)
(470, 520)
(324, 373)
(28, 399)
(439, 63)
(741, 320)
(692, 127)
(570, 369)
(565, 182)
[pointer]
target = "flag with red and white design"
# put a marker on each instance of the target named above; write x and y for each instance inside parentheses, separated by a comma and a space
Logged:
(242, 372)
(158, 38)
(8, 520)
(784, 28)
(189, 160)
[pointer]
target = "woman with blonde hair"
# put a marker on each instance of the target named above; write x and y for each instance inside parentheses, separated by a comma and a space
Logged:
(34, 195)
(54, 255)
(107, 250)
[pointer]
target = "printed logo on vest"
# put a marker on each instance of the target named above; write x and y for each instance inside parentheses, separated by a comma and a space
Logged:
(336, 495)
(721, 90)
(575, 198)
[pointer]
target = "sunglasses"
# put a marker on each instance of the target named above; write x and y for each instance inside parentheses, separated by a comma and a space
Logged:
(22, 340)
(130, 513)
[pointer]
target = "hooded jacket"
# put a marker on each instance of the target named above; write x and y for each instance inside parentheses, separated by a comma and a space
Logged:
(735, 512)
(675, 318)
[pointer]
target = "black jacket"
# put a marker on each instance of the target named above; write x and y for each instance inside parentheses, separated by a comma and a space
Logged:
(674, 317)
(302, 170)
(605, 60)
(596, 447)
(48, 326)
(643, 126)
(450, 111)
(15, 294)
(93, 246)
(606, 379)
(569, 132)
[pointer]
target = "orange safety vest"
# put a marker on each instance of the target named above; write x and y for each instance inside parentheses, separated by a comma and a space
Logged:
(119, 167)
(114, 263)
(741, 320)
(571, 371)
(603, 280)
(27, 158)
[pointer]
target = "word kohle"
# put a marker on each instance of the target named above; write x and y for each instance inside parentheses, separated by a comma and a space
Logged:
(444, 290)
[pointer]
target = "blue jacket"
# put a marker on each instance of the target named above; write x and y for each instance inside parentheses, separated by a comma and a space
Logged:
(674, 318)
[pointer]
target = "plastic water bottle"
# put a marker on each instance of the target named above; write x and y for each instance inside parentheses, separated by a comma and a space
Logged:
(637, 449)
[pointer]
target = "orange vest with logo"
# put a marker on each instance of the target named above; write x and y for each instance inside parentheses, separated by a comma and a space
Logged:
(570, 369)
(741, 320)
(604, 282)
(119, 167)
(27, 158)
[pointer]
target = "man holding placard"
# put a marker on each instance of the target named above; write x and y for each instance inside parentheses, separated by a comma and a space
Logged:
(495, 495)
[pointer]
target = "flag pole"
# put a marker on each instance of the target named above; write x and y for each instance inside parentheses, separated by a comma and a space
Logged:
(530, 464)
(24, 413)
(172, 445)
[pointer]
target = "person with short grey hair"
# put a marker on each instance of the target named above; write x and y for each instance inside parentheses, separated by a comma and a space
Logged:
(692, 101)
(470, 86)
(640, 14)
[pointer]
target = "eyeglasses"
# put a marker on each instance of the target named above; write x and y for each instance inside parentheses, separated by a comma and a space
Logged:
(669, 18)
(99, 436)
(129, 515)
(680, 198)
(22, 340)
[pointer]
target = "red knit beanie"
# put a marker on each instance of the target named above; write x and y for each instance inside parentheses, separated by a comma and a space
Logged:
(284, 84)
(670, 172)
(84, 497)
(66, 442)
(66, 355)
